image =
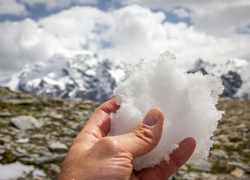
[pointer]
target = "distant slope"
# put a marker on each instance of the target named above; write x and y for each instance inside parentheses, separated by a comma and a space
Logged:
(234, 73)
(88, 76)
(84, 76)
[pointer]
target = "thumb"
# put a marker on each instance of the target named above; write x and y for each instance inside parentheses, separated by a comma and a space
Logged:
(145, 137)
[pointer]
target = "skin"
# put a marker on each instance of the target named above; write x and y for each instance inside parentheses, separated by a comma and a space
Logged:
(96, 156)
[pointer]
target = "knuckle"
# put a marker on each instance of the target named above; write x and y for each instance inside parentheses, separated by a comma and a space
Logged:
(146, 135)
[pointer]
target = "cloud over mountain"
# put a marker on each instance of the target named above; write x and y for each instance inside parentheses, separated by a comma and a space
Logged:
(127, 34)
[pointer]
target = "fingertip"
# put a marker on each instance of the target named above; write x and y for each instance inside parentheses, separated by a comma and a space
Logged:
(154, 116)
(169, 166)
(158, 113)
(184, 152)
(117, 99)
(110, 106)
(188, 143)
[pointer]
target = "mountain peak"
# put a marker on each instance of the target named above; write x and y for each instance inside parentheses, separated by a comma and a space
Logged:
(83, 75)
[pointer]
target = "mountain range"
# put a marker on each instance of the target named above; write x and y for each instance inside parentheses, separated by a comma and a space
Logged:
(233, 73)
(82, 76)
(88, 76)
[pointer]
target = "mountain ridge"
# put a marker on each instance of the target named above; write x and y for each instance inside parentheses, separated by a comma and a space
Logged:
(88, 76)
(83, 76)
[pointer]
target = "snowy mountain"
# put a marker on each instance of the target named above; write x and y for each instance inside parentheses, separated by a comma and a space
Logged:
(233, 73)
(86, 75)
(83, 76)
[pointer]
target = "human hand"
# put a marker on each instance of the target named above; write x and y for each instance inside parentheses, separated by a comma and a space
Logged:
(96, 156)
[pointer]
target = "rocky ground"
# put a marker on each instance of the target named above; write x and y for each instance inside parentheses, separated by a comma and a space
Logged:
(37, 132)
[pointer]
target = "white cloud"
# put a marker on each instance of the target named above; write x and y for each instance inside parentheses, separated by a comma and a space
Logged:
(221, 18)
(24, 42)
(29, 41)
(139, 33)
(11, 7)
(132, 33)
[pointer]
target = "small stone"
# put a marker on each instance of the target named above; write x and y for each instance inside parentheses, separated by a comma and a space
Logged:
(57, 147)
(23, 141)
(37, 174)
(26, 122)
(239, 165)
(5, 114)
(2, 151)
(190, 176)
(219, 154)
(202, 166)
(237, 173)
(55, 115)
(223, 138)
(206, 176)
(55, 168)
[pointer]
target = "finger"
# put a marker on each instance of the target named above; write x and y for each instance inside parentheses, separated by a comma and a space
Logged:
(133, 177)
(98, 125)
(110, 106)
(177, 159)
(145, 137)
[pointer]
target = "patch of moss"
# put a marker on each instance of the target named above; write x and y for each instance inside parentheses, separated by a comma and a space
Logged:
(219, 167)
(2, 124)
(4, 92)
(8, 157)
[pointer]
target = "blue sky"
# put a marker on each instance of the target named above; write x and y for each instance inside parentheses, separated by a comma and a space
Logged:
(40, 10)
(212, 10)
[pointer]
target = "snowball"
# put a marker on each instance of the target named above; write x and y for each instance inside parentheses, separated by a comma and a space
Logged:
(187, 101)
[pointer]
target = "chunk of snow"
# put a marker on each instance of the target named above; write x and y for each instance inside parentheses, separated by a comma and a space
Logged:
(187, 101)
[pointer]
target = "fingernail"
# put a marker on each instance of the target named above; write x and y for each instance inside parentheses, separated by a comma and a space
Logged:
(118, 99)
(152, 117)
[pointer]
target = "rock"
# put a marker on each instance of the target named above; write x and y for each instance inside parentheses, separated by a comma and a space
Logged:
(227, 177)
(15, 170)
(242, 166)
(38, 174)
(219, 154)
(26, 122)
(203, 166)
(232, 82)
(23, 141)
(5, 114)
(54, 168)
(223, 138)
(190, 176)
(58, 147)
(55, 115)
(39, 147)
(237, 173)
